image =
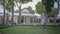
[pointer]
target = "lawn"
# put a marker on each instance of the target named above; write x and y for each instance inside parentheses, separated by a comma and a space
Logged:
(29, 30)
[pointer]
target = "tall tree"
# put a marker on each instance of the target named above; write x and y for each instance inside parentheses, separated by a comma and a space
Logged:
(48, 5)
(10, 7)
(12, 21)
(21, 2)
(40, 8)
(57, 9)
(53, 13)
(4, 17)
(4, 3)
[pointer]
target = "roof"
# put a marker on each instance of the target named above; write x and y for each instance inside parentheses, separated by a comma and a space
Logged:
(17, 14)
(25, 11)
(37, 15)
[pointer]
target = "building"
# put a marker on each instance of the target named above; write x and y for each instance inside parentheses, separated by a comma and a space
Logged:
(26, 17)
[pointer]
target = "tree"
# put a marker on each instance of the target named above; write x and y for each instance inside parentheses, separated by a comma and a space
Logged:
(21, 2)
(30, 9)
(5, 6)
(57, 9)
(48, 5)
(17, 11)
(10, 7)
(12, 2)
(40, 8)
(53, 14)
(4, 17)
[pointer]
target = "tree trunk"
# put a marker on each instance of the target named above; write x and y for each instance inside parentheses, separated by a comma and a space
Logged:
(46, 20)
(55, 18)
(19, 19)
(57, 13)
(12, 21)
(7, 18)
(4, 17)
(42, 19)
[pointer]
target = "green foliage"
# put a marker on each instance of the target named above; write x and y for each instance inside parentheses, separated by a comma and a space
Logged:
(17, 11)
(40, 8)
(52, 13)
(23, 1)
(30, 9)
(49, 4)
(9, 5)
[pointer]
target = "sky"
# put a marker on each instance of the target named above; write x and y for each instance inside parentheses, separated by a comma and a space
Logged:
(32, 4)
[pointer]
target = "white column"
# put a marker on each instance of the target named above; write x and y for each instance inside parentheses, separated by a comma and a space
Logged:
(33, 19)
(27, 20)
(24, 20)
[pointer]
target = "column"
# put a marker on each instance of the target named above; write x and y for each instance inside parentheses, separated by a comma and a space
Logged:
(33, 19)
(27, 20)
(24, 20)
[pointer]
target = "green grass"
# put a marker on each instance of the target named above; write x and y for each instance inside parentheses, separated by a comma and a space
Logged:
(29, 30)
